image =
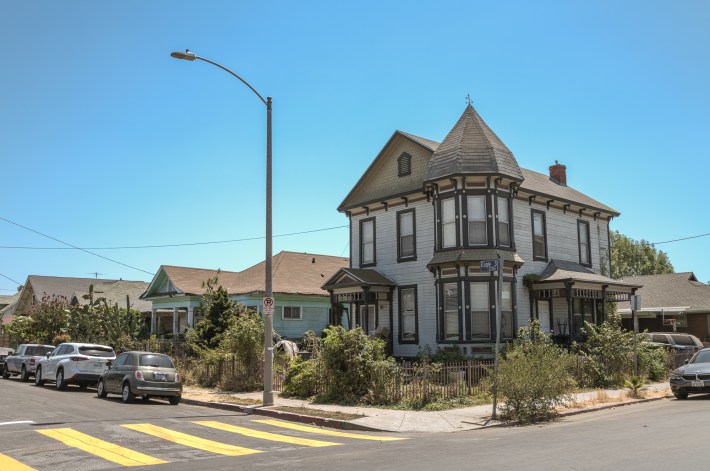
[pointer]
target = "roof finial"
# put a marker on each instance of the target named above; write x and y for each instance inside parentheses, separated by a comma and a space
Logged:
(468, 99)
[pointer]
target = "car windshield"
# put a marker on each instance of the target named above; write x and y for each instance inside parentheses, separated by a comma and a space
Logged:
(158, 361)
(97, 351)
(701, 357)
(683, 340)
(38, 350)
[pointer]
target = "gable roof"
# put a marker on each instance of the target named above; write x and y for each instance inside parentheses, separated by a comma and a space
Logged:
(5, 300)
(672, 289)
(292, 273)
(472, 148)
(59, 286)
(350, 277)
(533, 182)
(186, 280)
(116, 292)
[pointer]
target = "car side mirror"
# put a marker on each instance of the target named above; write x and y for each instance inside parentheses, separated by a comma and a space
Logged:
(109, 364)
(685, 362)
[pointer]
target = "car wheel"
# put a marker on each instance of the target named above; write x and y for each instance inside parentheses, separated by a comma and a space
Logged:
(5, 373)
(174, 400)
(38, 377)
(61, 384)
(101, 390)
(126, 393)
(681, 395)
(24, 376)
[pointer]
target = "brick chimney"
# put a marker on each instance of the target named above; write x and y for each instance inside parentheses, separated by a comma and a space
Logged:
(558, 174)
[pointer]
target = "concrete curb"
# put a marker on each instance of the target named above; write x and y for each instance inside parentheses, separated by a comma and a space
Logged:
(290, 416)
(609, 406)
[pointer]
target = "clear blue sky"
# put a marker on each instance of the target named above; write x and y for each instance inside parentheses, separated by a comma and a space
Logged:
(105, 140)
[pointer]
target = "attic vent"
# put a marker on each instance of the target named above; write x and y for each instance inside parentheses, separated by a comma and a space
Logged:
(404, 165)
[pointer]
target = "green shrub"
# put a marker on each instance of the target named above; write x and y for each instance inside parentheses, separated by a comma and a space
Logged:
(385, 382)
(533, 377)
(654, 362)
(301, 378)
(608, 353)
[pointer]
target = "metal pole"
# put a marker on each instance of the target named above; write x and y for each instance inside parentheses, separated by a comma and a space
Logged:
(499, 298)
(268, 321)
(636, 334)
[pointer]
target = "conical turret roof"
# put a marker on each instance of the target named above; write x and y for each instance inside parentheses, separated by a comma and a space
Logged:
(472, 148)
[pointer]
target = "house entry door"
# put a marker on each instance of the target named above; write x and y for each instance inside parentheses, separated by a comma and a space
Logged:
(544, 314)
(368, 318)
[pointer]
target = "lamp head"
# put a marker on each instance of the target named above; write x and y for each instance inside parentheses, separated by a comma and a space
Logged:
(187, 55)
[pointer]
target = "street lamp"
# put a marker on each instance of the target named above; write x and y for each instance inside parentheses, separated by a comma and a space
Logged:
(268, 294)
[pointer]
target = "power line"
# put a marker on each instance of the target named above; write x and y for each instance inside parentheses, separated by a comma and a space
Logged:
(678, 240)
(7, 277)
(74, 246)
(186, 244)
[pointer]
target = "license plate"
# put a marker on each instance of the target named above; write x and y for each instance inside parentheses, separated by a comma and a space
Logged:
(160, 376)
(698, 384)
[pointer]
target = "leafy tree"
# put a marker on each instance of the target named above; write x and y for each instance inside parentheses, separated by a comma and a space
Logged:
(21, 329)
(50, 318)
(219, 312)
(607, 353)
(635, 258)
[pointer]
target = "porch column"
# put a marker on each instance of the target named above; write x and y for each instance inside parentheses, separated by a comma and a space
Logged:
(153, 321)
(568, 286)
(190, 317)
(175, 321)
(599, 321)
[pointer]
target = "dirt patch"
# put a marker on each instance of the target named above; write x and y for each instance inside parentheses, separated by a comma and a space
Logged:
(602, 398)
(324, 414)
(214, 395)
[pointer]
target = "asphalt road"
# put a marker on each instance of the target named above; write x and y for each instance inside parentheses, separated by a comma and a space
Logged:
(45, 429)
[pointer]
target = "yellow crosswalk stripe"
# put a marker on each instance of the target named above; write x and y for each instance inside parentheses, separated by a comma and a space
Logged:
(322, 431)
(95, 446)
(190, 440)
(265, 435)
(11, 464)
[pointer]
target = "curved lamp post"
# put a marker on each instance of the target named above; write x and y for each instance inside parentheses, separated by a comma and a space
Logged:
(268, 316)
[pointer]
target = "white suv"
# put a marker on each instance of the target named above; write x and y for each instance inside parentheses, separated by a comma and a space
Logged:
(74, 363)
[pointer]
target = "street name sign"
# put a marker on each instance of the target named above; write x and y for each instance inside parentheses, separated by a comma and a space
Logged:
(489, 265)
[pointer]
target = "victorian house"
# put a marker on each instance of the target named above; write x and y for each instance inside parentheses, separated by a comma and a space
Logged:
(425, 215)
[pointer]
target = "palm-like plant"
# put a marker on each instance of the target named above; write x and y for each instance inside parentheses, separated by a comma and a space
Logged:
(634, 384)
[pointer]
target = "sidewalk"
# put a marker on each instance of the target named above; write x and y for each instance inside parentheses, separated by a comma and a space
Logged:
(453, 420)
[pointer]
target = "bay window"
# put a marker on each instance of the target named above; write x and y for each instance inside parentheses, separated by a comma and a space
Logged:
(480, 311)
(451, 311)
(477, 225)
(503, 226)
(448, 223)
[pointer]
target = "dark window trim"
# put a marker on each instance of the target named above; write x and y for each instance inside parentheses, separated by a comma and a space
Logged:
(374, 243)
(580, 223)
(544, 233)
(414, 236)
(441, 313)
(511, 245)
(408, 171)
(464, 210)
(416, 314)
(439, 218)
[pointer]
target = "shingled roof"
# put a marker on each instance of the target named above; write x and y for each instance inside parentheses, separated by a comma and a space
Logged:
(292, 273)
(472, 148)
(116, 292)
(672, 289)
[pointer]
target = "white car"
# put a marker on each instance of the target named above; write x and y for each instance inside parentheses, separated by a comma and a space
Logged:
(74, 363)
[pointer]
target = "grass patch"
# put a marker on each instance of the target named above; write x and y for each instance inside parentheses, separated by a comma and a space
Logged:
(324, 414)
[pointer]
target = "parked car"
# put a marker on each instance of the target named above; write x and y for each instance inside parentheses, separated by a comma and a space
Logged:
(676, 341)
(74, 363)
(4, 352)
(143, 374)
(24, 361)
(693, 377)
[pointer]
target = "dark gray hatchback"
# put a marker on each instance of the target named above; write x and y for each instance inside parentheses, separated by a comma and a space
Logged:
(144, 374)
(693, 377)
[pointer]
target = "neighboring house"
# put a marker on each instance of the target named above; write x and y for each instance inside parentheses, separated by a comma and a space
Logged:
(301, 303)
(671, 302)
(116, 293)
(425, 215)
(7, 303)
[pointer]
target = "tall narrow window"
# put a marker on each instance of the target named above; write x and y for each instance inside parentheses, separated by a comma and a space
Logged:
(477, 227)
(367, 242)
(448, 223)
(368, 318)
(451, 311)
(503, 222)
(406, 242)
(585, 253)
(539, 236)
(507, 326)
(480, 311)
(408, 314)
